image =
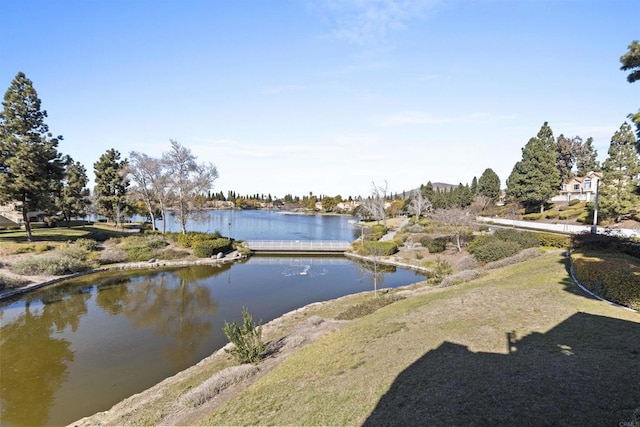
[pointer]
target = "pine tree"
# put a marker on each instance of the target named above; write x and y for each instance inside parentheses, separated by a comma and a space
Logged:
(586, 160)
(74, 194)
(631, 62)
(535, 178)
(30, 166)
(111, 185)
(619, 197)
(489, 185)
(566, 154)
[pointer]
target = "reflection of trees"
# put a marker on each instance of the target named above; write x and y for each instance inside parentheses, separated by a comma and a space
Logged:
(174, 304)
(30, 379)
(375, 270)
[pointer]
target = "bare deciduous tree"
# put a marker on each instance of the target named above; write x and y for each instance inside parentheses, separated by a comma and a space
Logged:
(374, 206)
(188, 181)
(457, 220)
(419, 204)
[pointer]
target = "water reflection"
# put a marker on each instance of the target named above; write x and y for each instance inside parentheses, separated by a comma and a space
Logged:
(80, 347)
(34, 362)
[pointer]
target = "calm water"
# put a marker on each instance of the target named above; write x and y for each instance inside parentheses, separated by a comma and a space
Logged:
(78, 348)
(270, 225)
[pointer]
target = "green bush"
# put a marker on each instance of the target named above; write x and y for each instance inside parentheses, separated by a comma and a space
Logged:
(526, 239)
(209, 248)
(169, 254)
(553, 240)
(532, 216)
(574, 202)
(55, 265)
(246, 339)
(570, 213)
(188, 240)
(551, 214)
(88, 244)
(435, 246)
(441, 270)
(380, 248)
(495, 249)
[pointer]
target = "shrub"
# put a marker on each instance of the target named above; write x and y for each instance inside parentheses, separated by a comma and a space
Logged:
(208, 248)
(88, 244)
(380, 248)
(551, 214)
(461, 277)
(441, 270)
(112, 256)
(246, 339)
(526, 239)
(612, 277)
(10, 282)
(435, 246)
(574, 202)
(532, 216)
(494, 250)
(188, 240)
(524, 255)
(170, 254)
(553, 240)
(217, 383)
(56, 265)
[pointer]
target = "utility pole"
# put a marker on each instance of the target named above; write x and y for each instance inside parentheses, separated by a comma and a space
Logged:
(594, 227)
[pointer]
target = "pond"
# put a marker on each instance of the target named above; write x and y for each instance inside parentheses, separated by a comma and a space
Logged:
(78, 348)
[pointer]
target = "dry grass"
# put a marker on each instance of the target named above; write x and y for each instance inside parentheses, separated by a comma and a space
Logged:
(517, 344)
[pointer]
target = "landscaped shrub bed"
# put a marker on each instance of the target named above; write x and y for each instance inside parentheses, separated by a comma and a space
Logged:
(55, 265)
(188, 240)
(209, 248)
(601, 242)
(435, 246)
(532, 216)
(551, 240)
(523, 238)
(379, 248)
(492, 249)
(504, 243)
(613, 276)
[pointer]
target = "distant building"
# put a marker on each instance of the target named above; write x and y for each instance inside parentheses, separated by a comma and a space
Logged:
(579, 188)
(10, 216)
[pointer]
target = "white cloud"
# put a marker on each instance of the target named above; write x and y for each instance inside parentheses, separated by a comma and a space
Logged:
(364, 22)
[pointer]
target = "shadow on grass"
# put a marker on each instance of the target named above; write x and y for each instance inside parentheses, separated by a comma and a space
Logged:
(61, 234)
(582, 372)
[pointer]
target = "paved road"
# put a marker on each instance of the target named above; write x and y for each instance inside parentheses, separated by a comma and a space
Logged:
(562, 228)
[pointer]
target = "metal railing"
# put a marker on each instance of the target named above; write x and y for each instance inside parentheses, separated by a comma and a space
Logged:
(298, 245)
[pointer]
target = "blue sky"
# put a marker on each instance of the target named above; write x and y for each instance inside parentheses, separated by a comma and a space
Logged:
(324, 96)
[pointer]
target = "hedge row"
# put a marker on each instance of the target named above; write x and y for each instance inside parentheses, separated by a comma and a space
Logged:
(611, 277)
(504, 243)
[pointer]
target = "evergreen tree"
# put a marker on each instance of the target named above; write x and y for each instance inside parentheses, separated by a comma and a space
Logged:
(566, 153)
(631, 62)
(74, 195)
(111, 185)
(586, 160)
(535, 178)
(30, 166)
(474, 187)
(489, 185)
(619, 197)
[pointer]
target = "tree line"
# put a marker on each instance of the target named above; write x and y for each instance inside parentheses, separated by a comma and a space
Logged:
(36, 177)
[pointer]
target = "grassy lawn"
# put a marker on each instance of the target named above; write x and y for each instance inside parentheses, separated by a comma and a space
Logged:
(521, 344)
